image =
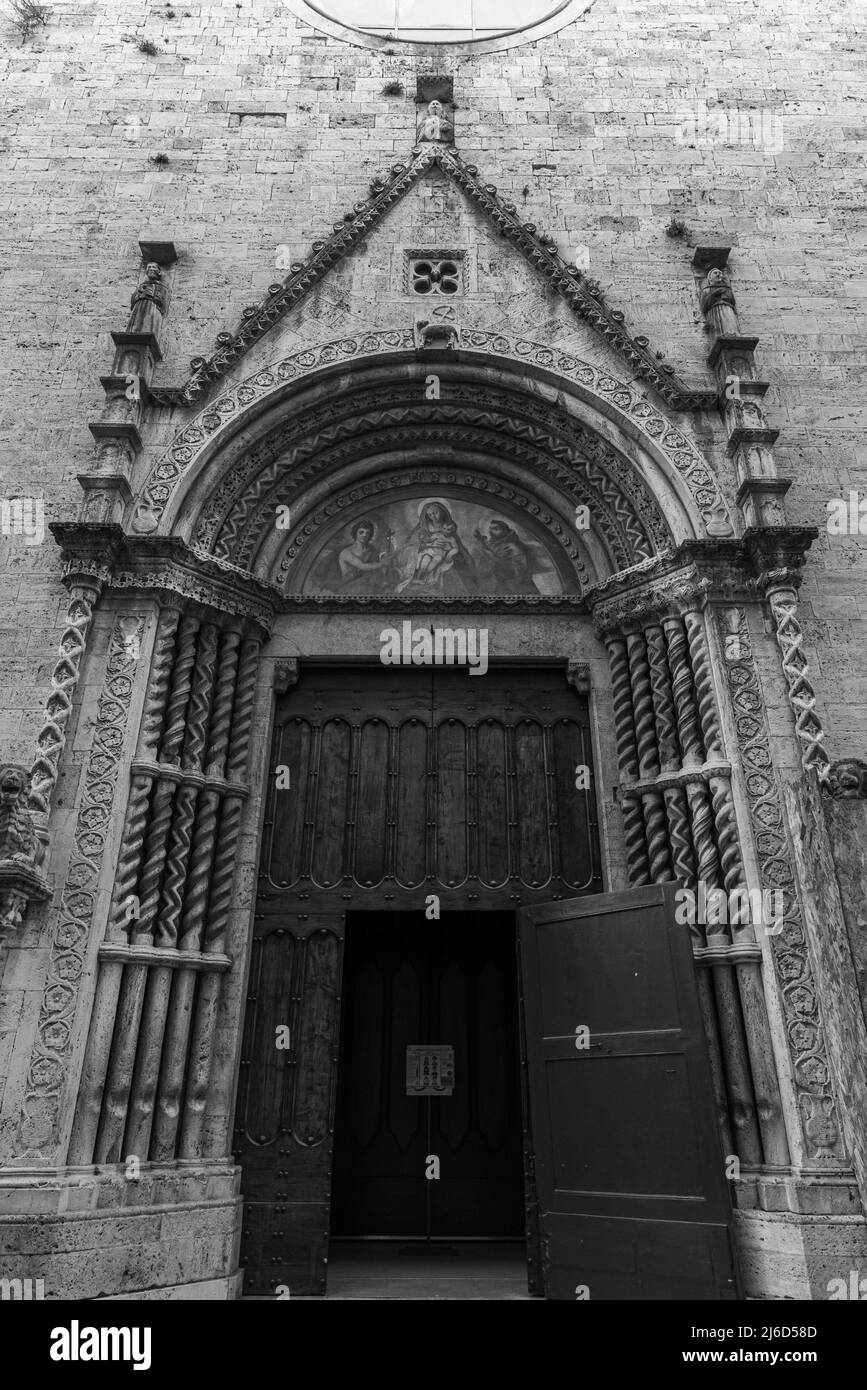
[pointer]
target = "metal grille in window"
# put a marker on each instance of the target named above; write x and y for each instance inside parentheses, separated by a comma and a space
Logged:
(435, 277)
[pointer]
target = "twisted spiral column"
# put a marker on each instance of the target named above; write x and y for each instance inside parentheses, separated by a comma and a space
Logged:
(683, 692)
(135, 825)
(802, 697)
(708, 714)
(663, 698)
(627, 760)
(728, 846)
(642, 706)
(680, 842)
(207, 1002)
(51, 739)
(182, 681)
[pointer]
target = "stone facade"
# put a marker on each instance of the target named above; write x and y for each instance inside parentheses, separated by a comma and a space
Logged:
(649, 215)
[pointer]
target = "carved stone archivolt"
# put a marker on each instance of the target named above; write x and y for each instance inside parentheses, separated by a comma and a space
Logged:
(660, 436)
(790, 953)
(239, 516)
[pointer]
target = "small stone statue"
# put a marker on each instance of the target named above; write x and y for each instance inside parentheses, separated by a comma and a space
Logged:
(718, 304)
(148, 303)
(434, 125)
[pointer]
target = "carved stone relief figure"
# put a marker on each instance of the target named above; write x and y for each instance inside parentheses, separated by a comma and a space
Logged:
(434, 125)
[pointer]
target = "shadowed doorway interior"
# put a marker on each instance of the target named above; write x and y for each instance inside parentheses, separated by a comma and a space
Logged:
(411, 983)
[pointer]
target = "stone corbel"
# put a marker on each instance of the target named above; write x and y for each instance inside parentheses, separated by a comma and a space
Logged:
(578, 674)
(21, 881)
(287, 669)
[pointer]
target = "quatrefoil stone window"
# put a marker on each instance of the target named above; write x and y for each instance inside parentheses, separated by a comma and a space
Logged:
(430, 276)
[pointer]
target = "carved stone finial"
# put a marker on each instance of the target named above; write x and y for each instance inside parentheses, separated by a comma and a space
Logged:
(718, 304)
(148, 302)
(434, 126)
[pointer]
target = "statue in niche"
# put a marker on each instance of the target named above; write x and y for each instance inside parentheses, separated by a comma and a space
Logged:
(718, 304)
(148, 302)
(434, 125)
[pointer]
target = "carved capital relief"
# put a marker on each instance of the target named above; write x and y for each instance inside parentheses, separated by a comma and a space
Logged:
(789, 948)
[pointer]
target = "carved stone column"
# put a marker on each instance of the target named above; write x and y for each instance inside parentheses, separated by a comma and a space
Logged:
(144, 1087)
(681, 823)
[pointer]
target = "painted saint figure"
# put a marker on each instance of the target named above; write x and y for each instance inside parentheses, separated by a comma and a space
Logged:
(514, 565)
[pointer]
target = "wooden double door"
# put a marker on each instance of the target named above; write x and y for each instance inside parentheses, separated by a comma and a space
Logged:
(412, 787)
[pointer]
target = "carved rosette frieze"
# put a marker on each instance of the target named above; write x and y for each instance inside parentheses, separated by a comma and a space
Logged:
(50, 1059)
(789, 948)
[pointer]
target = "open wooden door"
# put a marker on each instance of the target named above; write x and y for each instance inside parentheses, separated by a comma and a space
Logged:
(629, 1165)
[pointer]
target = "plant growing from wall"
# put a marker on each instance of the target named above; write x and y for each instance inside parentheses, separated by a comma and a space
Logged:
(27, 15)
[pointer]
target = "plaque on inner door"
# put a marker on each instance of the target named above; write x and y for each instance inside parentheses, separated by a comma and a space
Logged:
(430, 1070)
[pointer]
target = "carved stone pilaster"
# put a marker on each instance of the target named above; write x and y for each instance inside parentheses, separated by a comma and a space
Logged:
(780, 589)
(797, 989)
(64, 678)
(50, 1058)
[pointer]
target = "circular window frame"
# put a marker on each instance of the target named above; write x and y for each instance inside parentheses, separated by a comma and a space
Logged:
(568, 11)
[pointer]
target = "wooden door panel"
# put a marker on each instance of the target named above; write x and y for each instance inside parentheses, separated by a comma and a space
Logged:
(629, 1167)
(286, 1098)
(430, 779)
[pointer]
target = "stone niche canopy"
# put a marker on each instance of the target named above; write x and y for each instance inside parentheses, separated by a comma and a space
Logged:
(433, 541)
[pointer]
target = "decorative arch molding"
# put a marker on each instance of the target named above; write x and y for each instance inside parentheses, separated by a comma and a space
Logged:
(604, 404)
(289, 465)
